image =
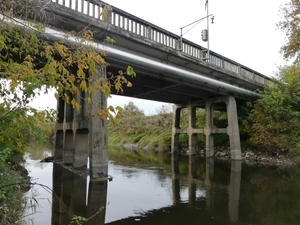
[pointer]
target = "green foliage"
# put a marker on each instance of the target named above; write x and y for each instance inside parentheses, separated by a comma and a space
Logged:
(289, 23)
(131, 110)
(141, 156)
(147, 131)
(78, 220)
(276, 116)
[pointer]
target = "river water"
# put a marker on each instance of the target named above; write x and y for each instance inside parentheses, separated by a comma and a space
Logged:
(164, 189)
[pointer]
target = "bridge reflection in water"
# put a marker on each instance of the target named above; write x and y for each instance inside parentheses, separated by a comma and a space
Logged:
(77, 195)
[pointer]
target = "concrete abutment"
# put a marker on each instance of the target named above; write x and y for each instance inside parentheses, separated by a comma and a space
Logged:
(80, 135)
(209, 130)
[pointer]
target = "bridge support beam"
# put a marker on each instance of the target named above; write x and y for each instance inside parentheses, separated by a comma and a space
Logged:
(209, 130)
(79, 135)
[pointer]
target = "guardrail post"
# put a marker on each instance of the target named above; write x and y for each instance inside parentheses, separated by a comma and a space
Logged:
(148, 34)
(109, 16)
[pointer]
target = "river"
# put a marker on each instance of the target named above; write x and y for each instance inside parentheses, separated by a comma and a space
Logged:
(150, 188)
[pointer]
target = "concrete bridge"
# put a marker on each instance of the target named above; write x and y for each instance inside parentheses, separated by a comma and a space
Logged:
(165, 71)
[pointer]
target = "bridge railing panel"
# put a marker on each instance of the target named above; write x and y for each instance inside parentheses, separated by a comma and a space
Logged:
(248, 74)
(119, 18)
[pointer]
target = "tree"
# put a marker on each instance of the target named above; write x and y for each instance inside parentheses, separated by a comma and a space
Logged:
(276, 116)
(131, 110)
(30, 64)
(290, 23)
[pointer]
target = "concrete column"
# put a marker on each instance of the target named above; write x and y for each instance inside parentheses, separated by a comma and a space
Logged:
(59, 145)
(190, 130)
(208, 127)
(234, 190)
(59, 136)
(69, 111)
(98, 146)
(81, 148)
(78, 114)
(69, 147)
(176, 125)
(61, 110)
(233, 128)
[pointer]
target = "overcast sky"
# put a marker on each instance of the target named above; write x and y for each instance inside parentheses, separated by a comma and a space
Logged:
(243, 30)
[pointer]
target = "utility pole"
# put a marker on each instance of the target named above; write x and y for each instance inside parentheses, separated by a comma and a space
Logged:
(206, 7)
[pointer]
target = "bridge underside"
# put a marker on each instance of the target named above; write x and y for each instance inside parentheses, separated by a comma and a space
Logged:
(152, 85)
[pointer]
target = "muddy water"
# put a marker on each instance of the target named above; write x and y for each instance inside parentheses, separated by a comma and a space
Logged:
(164, 189)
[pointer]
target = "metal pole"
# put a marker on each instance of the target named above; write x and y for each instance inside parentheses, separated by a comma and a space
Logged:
(207, 33)
(180, 39)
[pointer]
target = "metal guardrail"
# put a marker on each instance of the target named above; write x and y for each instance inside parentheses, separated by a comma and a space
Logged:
(135, 25)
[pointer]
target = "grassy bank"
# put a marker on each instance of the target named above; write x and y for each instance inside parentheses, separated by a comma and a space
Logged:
(146, 131)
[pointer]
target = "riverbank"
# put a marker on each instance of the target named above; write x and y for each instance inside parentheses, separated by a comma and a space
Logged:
(136, 131)
(251, 157)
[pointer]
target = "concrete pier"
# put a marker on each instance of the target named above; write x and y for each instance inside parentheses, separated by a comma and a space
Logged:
(209, 130)
(79, 135)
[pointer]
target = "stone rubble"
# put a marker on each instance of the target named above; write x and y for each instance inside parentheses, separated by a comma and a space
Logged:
(256, 157)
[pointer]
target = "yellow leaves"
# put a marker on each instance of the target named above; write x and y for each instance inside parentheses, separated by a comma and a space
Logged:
(75, 104)
(75, 90)
(111, 108)
(118, 87)
(67, 98)
(91, 90)
(101, 114)
(48, 51)
(83, 86)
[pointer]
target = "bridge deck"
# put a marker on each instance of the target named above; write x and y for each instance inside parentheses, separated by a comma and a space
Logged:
(136, 36)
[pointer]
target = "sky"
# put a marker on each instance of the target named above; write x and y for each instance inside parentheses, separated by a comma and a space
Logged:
(243, 30)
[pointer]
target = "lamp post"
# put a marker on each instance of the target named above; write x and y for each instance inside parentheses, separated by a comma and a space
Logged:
(205, 33)
(206, 7)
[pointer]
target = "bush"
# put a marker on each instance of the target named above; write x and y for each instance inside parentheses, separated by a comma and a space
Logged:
(276, 116)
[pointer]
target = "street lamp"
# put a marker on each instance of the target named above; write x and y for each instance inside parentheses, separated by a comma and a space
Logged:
(204, 33)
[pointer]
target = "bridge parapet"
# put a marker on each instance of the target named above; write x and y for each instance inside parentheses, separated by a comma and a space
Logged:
(132, 24)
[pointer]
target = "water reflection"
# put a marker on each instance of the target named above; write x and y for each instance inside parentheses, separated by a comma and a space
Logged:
(176, 189)
(75, 195)
(208, 184)
(70, 197)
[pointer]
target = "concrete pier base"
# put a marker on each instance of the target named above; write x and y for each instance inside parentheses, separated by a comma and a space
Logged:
(79, 135)
(209, 130)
